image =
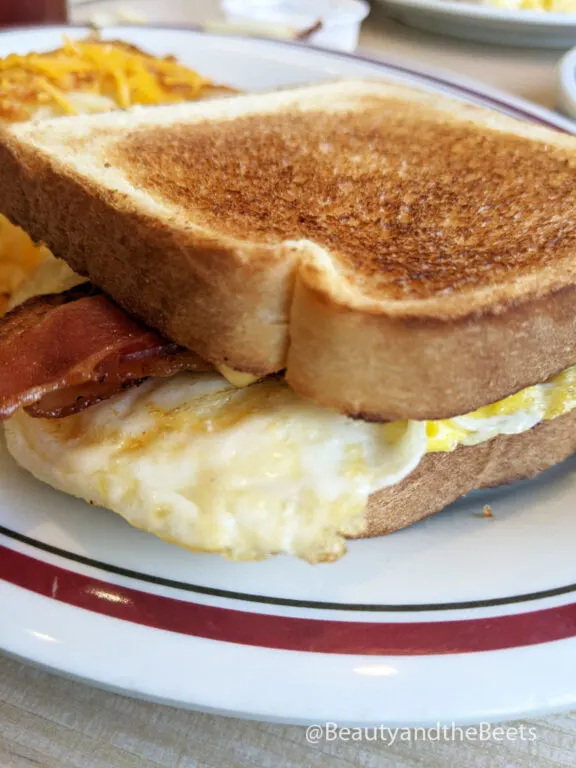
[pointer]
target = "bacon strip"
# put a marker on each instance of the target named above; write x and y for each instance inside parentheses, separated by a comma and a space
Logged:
(64, 352)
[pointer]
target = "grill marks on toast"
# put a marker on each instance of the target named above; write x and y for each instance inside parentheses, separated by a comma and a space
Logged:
(413, 205)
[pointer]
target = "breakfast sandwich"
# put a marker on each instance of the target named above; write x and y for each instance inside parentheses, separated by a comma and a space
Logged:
(273, 322)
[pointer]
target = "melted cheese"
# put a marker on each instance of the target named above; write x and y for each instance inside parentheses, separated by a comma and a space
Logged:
(237, 378)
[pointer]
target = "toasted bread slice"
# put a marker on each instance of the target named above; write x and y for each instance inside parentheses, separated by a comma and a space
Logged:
(442, 478)
(401, 254)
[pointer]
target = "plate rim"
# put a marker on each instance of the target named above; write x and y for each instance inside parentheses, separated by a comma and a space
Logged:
(251, 597)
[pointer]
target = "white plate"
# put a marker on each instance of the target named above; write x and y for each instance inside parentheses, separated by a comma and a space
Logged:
(566, 83)
(460, 618)
(484, 23)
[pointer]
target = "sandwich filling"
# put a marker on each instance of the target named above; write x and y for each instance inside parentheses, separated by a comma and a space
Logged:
(246, 471)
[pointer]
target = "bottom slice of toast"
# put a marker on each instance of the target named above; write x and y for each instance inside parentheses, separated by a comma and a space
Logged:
(442, 478)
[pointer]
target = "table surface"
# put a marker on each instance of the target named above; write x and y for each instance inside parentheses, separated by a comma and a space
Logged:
(50, 722)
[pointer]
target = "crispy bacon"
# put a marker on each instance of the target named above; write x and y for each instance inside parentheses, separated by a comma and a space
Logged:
(64, 352)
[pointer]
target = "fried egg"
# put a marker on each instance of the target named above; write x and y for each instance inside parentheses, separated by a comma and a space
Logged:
(249, 471)
(246, 472)
(510, 416)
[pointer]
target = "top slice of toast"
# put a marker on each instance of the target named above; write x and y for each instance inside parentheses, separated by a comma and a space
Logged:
(401, 254)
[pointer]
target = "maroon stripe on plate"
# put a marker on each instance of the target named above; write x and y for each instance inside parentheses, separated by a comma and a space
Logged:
(281, 632)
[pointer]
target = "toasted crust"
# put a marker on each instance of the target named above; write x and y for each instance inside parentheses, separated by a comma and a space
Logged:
(441, 478)
(401, 254)
(426, 368)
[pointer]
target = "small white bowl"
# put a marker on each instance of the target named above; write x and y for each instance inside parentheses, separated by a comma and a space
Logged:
(341, 19)
(566, 83)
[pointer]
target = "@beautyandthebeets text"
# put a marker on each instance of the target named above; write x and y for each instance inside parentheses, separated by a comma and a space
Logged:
(324, 732)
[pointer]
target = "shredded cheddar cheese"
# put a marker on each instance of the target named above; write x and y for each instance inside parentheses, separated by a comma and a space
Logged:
(120, 74)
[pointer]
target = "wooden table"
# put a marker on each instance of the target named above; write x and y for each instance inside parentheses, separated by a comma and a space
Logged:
(49, 722)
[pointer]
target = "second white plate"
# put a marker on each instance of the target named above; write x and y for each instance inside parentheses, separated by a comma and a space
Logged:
(483, 23)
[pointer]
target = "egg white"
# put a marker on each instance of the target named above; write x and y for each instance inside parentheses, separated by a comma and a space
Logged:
(245, 472)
